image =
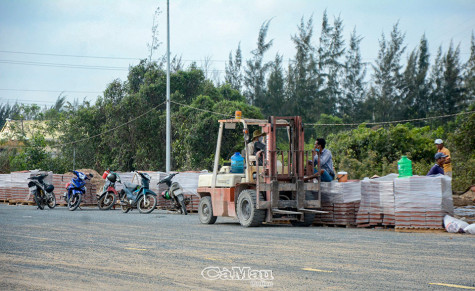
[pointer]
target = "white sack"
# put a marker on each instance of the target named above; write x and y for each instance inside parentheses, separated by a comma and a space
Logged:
(470, 229)
(454, 225)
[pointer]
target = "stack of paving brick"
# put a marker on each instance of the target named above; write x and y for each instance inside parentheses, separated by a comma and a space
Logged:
(4, 186)
(341, 201)
(422, 202)
(18, 190)
(59, 183)
(377, 202)
(90, 197)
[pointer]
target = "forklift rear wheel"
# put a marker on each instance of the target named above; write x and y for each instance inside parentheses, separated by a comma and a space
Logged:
(205, 211)
(247, 213)
(308, 218)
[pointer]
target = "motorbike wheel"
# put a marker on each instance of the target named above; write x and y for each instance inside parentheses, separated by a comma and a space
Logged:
(74, 201)
(38, 200)
(52, 201)
(147, 203)
(106, 201)
(182, 205)
(125, 208)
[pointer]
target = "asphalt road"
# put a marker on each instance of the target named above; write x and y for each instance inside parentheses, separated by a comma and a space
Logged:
(91, 249)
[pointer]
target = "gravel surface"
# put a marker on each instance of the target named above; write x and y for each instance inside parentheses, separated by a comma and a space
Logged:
(90, 249)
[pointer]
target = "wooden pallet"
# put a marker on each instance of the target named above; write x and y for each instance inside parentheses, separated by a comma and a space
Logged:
(375, 226)
(335, 225)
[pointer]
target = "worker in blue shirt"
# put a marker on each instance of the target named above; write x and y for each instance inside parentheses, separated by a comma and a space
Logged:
(326, 163)
(438, 167)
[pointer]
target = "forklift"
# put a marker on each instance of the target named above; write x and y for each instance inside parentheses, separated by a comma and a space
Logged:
(276, 186)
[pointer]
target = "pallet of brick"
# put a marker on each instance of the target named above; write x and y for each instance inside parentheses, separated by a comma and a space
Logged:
(194, 203)
(19, 191)
(89, 198)
(377, 202)
(340, 201)
(59, 183)
(344, 213)
(4, 186)
(422, 202)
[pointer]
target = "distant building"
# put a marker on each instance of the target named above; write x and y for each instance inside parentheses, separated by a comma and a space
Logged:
(14, 132)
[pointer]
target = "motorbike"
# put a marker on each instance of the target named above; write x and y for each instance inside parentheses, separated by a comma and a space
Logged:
(138, 196)
(76, 189)
(107, 198)
(42, 192)
(175, 193)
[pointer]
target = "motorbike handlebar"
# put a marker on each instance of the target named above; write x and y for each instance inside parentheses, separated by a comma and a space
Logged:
(169, 177)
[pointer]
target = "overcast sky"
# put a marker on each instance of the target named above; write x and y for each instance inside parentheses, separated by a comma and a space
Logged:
(80, 46)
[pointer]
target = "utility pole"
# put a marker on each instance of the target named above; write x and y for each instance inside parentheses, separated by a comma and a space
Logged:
(168, 141)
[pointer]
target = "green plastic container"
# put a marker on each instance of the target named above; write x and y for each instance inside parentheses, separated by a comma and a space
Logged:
(404, 167)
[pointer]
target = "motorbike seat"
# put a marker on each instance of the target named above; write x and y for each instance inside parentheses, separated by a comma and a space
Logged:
(130, 186)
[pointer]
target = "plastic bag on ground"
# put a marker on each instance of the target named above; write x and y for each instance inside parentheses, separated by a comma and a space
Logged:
(470, 229)
(454, 225)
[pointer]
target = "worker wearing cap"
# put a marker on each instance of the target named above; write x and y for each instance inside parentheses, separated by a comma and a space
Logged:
(447, 163)
(438, 167)
(257, 144)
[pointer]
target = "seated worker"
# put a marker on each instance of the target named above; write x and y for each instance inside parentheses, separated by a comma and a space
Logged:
(257, 144)
(326, 163)
(438, 167)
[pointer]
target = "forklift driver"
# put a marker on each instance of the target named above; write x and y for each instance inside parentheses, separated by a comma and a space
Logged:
(257, 144)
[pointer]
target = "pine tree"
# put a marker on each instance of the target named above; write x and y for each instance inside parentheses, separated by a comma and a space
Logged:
(387, 77)
(422, 95)
(453, 101)
(353, 84)
(415, 95)
(302, 78)
(255, 73)
(469, 75)
(436, 83)
(324, 43)
(446, 78)
(233, 70)
(275, 99)
(335, 65)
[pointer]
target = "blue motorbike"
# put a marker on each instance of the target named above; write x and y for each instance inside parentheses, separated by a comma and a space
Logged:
(75, 189)
(138, 196)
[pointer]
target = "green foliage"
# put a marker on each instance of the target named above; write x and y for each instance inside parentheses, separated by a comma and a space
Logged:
(364, 152)
(461, 144)
(323, 131)
(34, 156)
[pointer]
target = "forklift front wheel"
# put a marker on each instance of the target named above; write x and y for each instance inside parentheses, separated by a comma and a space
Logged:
(205, 211)
(247, 212)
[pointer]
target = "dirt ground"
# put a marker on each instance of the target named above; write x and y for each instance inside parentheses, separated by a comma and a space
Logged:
(466, 199)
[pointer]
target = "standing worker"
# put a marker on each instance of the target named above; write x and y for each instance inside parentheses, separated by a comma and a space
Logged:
(441, 149)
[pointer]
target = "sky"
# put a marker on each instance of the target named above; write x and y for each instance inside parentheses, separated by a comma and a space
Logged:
(77, 47)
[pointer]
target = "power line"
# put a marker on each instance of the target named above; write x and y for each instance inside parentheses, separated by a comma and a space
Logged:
(48, 91)
(199, 109)
(72, 56)
(390, 122)
(69, 66)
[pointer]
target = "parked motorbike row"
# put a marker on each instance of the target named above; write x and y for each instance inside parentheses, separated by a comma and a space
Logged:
(131, 196)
